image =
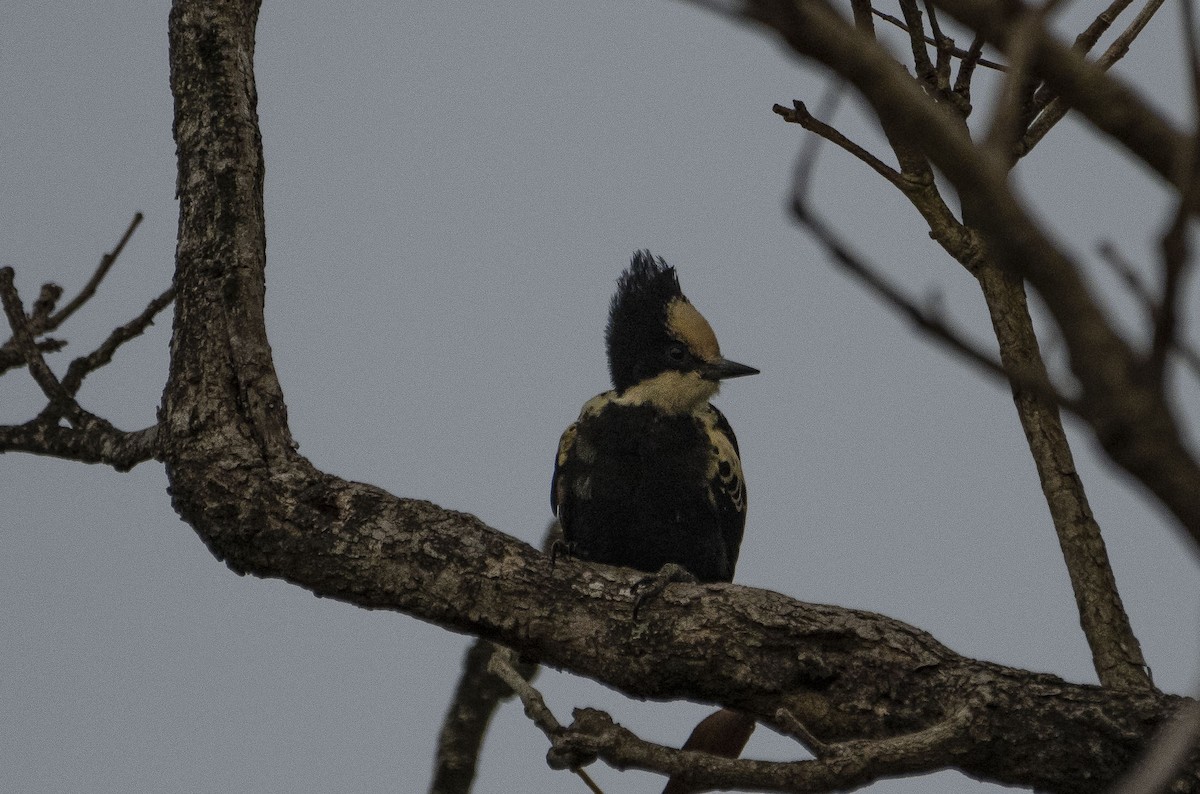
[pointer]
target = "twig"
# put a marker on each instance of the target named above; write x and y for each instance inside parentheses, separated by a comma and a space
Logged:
(43, 318)
(44, 305)
(926, 319)
(798, 114)
(959, 53)
(81, 367)
(11, 358)
(945, 51)
(476, 698)
(23, 340)
(1056, 109)
(1084, 43)
(502, 665)
(915, 24)
(1008, 122)
(864, 761)
(806, 163)
(1175, 245)
(95, 444)
(89, 289)
(966, 71)
(1111, 256)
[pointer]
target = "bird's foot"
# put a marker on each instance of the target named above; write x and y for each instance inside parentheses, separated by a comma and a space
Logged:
(560, 547)
(650, 586)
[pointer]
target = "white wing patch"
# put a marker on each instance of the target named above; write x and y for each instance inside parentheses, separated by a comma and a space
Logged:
(571, 445)
(724, 465)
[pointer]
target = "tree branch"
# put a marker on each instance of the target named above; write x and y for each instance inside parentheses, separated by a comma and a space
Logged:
(852, 764)
(476, 698)
(62, 402)
(263, 509)
(1128, 414)
(1109, 104)
(89, 289)
(99, 444)
(1054, 108)
(81, 367)
(972, 54)
(798, 114)
(1115, 649)
(504, 666)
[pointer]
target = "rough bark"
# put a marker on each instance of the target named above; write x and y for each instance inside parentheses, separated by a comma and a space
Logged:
(1116, 652)
(845, 675)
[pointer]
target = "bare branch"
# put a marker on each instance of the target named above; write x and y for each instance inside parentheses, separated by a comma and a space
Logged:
(476, 698)
(1054, 111)
(1175, 244)
(96, 443)
(972, 54)
(1084, 43)
(23, 340)
(81, 367)
(966, 70)
(43, 318)
(799, 731)
(798, 114)
(945, 54)
(851, 764)
(1140, 290)
(89, 289)
(915, 25)
(806, 162)
(44, 305)
(723, 733)
(1100, 25)
(927, 319)
(1008, 120)
(11, 358)
(503, 666)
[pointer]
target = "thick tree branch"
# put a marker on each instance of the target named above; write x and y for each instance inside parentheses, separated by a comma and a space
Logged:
(476, 697)
(263, 509)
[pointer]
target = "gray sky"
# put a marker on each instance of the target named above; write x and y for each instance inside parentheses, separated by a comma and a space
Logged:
(451, 194)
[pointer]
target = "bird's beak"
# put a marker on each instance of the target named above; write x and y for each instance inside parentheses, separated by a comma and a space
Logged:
(723, 368)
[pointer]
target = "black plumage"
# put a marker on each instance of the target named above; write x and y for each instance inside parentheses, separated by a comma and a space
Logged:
(650, 473)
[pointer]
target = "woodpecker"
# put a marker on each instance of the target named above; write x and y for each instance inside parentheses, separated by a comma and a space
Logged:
(649, 473)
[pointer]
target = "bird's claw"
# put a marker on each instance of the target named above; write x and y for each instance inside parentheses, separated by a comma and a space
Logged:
(560, 547)
(650, 586)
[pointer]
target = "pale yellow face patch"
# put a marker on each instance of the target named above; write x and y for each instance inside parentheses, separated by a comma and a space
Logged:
(688, 325)
(672, 392)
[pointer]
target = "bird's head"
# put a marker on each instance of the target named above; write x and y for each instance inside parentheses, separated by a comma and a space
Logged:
(661, 350)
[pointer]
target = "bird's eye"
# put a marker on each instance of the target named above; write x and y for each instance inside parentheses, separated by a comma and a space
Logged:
(676, 353)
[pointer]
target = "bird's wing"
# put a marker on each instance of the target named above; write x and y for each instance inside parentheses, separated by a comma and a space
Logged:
(566, 446)
(726, 484)
(572, 456)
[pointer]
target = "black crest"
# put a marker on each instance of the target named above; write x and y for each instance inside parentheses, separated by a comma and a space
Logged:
(637, 318)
